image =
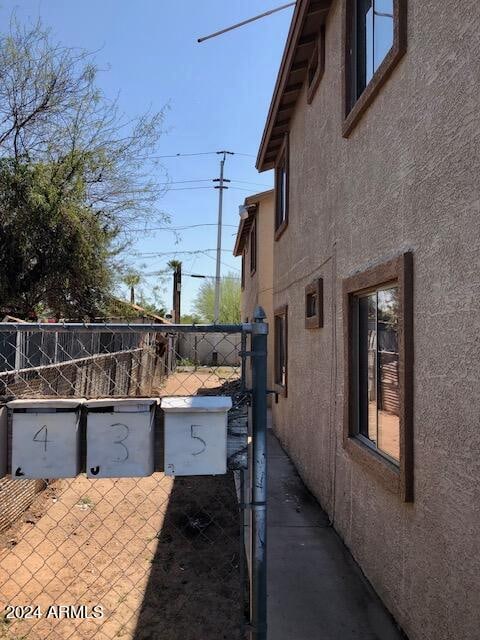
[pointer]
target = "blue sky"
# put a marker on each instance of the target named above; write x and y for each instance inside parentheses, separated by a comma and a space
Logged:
(218, 94)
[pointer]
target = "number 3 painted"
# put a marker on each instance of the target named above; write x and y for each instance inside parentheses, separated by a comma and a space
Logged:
(121, 440)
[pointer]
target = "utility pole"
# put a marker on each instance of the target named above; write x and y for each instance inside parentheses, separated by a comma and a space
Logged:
(177, 289)
(221, 186)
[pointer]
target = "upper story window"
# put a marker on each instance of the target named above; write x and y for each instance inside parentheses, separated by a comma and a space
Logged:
(375, 41)
(281, 190)
(253, 247)
(316, 66)
(314, 304)
(379, 341)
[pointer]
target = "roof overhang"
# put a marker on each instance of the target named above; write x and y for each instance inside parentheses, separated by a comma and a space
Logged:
(251, 206)
(308, 17)
(244, 229)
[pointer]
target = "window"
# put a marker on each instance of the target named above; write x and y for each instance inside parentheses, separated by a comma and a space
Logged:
(281, 348)
(243, 270)
(377, 370)
(375, 40)
(253, 248)
(281, 191)
(378, 416)
(316, 66)
(314, 304)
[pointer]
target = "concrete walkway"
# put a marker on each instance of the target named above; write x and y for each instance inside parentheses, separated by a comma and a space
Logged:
(316, 590)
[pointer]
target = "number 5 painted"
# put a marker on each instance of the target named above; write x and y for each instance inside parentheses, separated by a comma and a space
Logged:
(196, 437)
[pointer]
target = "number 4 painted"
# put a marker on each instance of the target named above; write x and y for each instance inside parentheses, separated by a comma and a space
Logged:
(36, 437)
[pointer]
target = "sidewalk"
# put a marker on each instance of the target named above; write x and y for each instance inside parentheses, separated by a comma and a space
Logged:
(316, 590)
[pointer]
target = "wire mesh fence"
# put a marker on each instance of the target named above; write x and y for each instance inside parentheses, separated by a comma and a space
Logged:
(134, 558)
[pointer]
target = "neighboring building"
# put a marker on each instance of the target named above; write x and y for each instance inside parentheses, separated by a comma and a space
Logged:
(254, 244)
(374, 135)
(123, 311)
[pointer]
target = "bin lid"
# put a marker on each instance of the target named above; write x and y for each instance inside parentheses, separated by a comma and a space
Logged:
(188, 404)
(47, 403)
(120, 402)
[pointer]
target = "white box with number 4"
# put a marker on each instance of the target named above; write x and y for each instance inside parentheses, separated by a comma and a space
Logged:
(120, 437)
(196, 435)
(3, 441)
(45, 438)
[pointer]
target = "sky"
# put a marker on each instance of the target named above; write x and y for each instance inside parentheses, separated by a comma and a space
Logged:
(217, 93)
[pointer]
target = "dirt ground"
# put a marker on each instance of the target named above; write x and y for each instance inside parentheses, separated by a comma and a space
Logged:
(159, 555)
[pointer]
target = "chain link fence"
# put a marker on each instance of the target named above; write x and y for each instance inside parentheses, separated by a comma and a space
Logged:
(135, 558)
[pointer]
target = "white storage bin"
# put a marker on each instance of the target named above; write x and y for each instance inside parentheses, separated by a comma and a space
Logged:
(3, 441)
(196, 435)
(120, 437)
(45, 438)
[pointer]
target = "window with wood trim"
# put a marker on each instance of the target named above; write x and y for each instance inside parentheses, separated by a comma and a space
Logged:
(281, 190)
(379, 344)
(253, 247)
(314, 304)
(375, 40)
(316, 65)
(281, 347)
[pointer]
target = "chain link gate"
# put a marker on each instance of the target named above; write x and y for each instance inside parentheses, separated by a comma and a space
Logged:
(136, 558)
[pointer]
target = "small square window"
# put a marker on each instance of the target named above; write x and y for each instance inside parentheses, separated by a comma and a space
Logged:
(316, 66)
(281, 190)
(375, 40)
(378, 370)
(314, 304)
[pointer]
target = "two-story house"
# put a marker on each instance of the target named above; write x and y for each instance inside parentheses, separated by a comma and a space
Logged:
(374, 134)
(253, 244)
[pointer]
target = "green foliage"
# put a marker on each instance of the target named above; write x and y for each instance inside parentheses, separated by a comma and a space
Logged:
(75, 178)
(55, 252)
(230, 299)
(192, 318)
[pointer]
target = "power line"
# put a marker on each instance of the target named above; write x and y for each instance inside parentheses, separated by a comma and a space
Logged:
(185, 155)
(153, 254)
(202, 153)
(189, 226)
(190, 188)
(256, 184)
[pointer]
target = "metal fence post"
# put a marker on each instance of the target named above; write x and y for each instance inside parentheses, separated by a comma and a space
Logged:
(258, 529)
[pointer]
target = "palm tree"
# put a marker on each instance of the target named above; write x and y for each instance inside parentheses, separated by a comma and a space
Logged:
(132, 280)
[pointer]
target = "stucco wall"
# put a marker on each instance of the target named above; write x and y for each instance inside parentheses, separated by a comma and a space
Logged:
(406, 178)
(258, 288)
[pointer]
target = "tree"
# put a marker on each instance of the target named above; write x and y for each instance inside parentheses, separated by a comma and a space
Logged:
(230, 299)
(73, 164)
(132, 279)
(192, 318)
(54, 252)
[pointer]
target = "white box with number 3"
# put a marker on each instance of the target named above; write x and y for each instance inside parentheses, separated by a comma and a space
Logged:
(120, 437)
(196, 435)
(45, 438)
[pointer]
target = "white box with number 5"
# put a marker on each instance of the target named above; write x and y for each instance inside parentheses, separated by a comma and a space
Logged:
(196, 435)
(120, 437)
(45, 438)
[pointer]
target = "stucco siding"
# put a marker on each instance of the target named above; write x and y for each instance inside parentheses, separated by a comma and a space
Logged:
(407, 178)
(258, 288)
